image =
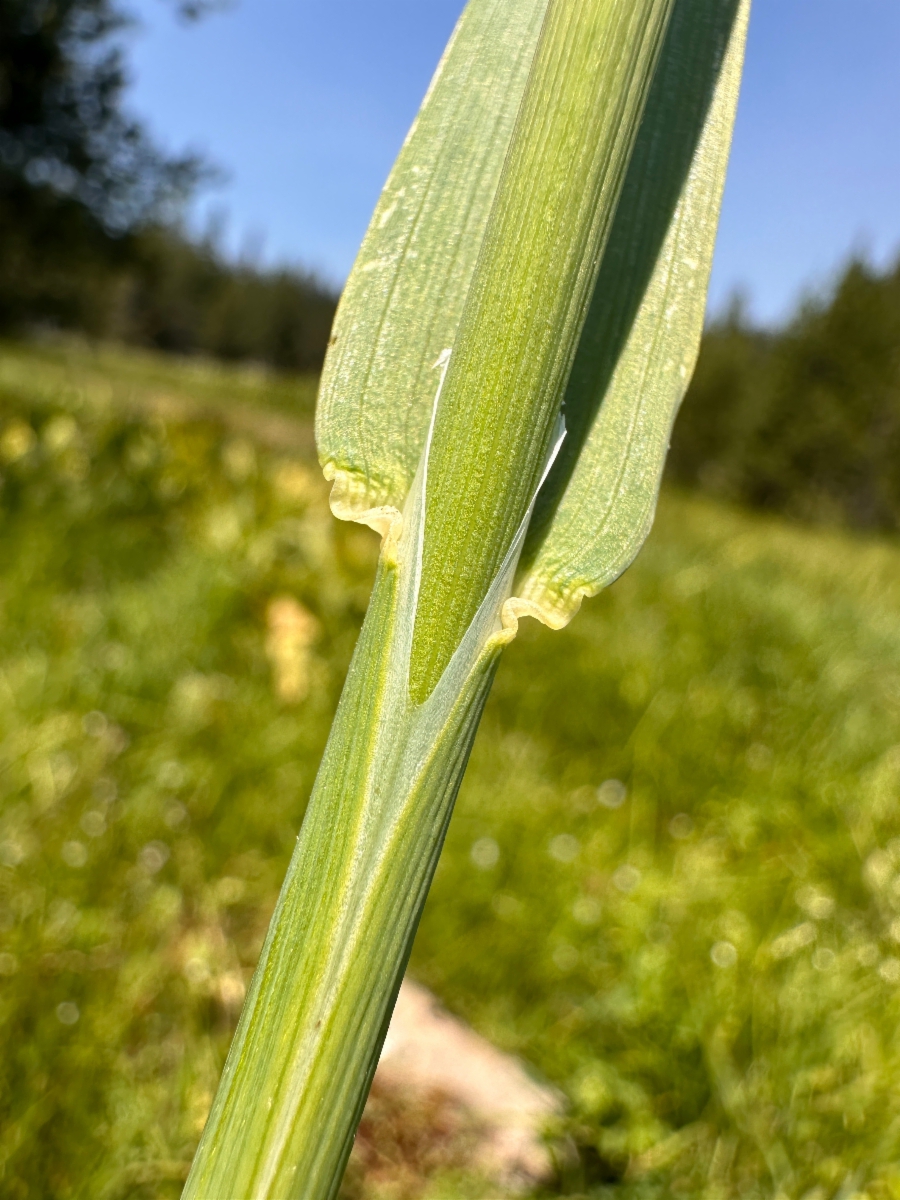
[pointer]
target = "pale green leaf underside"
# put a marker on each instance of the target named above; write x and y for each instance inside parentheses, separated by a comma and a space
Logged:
(404, 299)
(640, 341)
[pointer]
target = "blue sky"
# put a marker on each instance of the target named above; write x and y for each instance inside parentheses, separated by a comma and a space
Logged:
(304, 103)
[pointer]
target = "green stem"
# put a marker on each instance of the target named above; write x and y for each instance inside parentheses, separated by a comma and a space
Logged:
(309, 1037)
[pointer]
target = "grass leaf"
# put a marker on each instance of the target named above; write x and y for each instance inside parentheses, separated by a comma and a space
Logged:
(641, 338)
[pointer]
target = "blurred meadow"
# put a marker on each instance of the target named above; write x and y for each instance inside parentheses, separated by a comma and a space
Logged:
(672, 884)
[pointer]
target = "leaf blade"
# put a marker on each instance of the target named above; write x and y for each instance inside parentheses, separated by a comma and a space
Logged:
(598, 506)
(403, 300)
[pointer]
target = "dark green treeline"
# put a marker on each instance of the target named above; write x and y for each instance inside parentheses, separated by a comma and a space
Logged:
(804, 420)
(90, 238)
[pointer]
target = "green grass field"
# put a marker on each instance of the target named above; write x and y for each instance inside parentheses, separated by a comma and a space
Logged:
(672, 884)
